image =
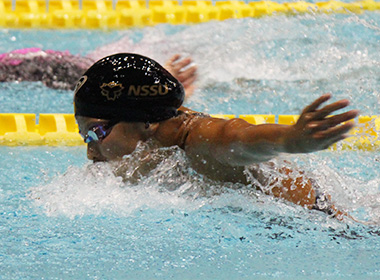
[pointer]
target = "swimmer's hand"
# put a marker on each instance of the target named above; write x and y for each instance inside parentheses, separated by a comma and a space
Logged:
(316, 129)
(184, 70)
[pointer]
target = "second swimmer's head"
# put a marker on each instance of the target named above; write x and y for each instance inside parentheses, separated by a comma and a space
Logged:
(128, 87)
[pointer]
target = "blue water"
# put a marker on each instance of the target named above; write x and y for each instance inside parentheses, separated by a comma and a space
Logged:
(64, 218)
(160, 235)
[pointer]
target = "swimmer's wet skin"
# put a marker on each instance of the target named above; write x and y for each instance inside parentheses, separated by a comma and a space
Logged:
(127, 98)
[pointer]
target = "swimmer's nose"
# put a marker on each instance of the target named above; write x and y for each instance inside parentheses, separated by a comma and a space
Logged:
(93, 153)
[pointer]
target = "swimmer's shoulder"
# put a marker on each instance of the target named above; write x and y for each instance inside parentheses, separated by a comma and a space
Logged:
(188, 113)
(175, 131)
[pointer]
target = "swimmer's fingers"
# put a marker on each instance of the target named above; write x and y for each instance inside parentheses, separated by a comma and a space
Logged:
(329, 109)
(311, 133)
(188, 84)
(184, 72)
(313, 119)
(326, 138)
(333, 133)
(311, 113)
(316, 141)
(172, 60)
(188, 76)
(170, 65)
(326, 123)
(327, 132)
(180, 65)
(314, 106)
(176, 65)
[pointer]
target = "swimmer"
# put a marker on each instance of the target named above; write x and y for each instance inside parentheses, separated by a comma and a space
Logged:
(60, 70)
(126, 99)
(57, 70)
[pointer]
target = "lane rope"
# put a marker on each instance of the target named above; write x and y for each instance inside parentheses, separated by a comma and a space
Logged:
(107, 14)
(18, 129)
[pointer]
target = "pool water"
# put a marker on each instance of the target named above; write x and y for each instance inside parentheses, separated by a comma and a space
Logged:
(62, 217)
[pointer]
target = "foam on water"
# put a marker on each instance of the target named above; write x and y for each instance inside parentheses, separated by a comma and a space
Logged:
(117, 187)
(122, 189)
(308, 47)
(95, 190)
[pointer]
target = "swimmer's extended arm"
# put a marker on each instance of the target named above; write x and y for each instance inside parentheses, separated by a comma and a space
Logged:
(236, 142)
(183, 70)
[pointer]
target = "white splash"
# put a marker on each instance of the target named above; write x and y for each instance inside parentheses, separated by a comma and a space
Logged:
(94, 190)
(308, 47)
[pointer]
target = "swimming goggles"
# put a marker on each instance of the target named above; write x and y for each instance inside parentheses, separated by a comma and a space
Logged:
(98, 132)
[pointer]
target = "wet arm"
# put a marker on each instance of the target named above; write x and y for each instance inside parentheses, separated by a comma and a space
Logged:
(236, 142)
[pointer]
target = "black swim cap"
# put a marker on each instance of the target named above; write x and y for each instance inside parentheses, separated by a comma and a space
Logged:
(128, 87)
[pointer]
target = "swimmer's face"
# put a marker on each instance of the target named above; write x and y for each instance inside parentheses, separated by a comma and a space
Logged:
(107, 141)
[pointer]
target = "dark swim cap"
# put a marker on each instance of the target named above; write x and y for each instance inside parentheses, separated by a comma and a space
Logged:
(128, 87)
